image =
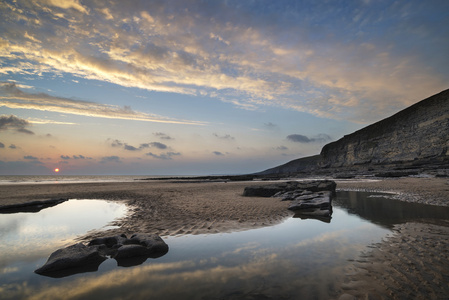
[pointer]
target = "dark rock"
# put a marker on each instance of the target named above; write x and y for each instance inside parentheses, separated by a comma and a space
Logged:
(109, 241)
(74, 256)
(396, 174)
(81, 258)
(131, 261)
(264, 190)
(321, 201)
(152, 242)
(270, 190)
(131, 250)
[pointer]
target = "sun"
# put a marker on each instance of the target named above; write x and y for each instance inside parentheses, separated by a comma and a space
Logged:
(56, 170)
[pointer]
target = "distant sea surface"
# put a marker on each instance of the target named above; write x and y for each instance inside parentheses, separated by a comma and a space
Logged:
(58, 179)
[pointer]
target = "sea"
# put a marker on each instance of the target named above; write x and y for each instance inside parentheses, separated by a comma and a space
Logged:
(59, 179)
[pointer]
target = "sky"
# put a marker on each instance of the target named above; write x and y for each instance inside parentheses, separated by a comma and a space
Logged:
(205, 87)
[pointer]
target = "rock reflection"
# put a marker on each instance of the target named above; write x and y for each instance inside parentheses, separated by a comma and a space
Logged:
(381, 209)
(326, 218)
(255, 273)
(30, 207)
(27, 237)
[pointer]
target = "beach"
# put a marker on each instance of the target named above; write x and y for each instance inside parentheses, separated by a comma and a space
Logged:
(166, 207)
(412, 262)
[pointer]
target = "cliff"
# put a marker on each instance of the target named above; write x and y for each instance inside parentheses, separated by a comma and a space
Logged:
(418, 132)
(416, 135)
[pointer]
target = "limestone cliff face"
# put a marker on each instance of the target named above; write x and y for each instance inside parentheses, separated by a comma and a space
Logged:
(418, 134)
(420, 131)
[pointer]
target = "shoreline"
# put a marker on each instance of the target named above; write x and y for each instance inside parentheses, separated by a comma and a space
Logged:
(411, 262)
(203, 207)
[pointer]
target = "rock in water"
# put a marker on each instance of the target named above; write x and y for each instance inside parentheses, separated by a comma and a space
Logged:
(73, 256)
(142, 244)
(321, 201)
(80, 258)
(152, 242)
(128, 251)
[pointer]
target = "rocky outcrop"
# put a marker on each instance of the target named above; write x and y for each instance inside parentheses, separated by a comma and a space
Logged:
(415, 139)
(269, 190)
(81, 258)
(309, 199)
(310, 205)
(321, 201)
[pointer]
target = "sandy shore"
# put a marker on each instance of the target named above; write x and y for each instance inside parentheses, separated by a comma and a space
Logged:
(412, 263)
(166, 208)
(171, 208)
(433, 191)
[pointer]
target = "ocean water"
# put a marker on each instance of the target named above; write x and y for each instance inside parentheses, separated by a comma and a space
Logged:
(45, 179)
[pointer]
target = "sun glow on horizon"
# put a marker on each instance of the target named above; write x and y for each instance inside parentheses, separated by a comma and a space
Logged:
(56, 170)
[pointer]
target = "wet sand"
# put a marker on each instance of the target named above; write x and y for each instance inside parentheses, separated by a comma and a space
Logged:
(166, 208)
(433, 191)
(411, 263)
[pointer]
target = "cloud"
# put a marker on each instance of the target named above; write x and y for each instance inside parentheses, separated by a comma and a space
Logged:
(120, 144)
(281, 148)
(2, 145)
(162, 136)
(43, 121)
(164, 156)
(157, 145)
(299, 138)
(12, 97)
(67, 4)
(224, 137)
(108, 159)
(30, 157)
(218, 153)
(270, 125)
(130, 148)
(293, 59)
(67, 157)
(116, 143)
(14, 123)
(12, 146)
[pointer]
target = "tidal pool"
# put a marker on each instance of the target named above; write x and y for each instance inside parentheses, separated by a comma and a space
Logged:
(297, 259)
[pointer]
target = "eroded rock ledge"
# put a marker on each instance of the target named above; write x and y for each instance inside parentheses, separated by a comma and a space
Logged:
(79, 258)
(269, 190)
(309, 199)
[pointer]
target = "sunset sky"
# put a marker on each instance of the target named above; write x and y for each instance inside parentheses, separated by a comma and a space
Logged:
(205, 87)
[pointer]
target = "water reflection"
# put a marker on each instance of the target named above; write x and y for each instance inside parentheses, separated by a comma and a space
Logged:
(298, 259)
(388, 212)
(30, 236)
